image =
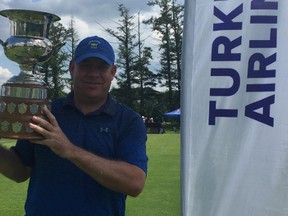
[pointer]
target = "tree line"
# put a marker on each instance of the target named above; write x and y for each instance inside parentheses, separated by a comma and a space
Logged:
(137, 84)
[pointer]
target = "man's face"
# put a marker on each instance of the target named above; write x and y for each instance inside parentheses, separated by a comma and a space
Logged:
(92, 77)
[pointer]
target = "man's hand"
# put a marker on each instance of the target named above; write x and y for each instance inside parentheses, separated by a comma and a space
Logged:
(53, 136)
(116, 175)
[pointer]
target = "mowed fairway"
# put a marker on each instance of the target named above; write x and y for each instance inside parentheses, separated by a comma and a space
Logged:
(160, 197)
(12, 195)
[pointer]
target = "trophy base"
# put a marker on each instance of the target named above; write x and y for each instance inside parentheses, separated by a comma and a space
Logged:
(16, 114)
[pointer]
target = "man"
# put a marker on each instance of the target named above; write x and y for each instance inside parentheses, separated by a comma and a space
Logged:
(93, 152)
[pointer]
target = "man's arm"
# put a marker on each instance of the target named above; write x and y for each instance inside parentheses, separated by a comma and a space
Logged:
(118, 176)
(12, 167)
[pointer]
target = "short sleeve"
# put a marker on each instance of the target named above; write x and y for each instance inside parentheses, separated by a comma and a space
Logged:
(132, 142)
(25, 150)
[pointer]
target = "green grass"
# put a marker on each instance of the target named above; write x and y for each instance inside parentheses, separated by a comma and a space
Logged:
(160, 197)
(12, 195)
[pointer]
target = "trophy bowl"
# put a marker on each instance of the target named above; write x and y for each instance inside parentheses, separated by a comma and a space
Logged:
(25, 95)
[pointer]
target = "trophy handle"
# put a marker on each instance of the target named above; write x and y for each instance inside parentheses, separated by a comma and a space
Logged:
(58, 46)
(2, 43)
(55, 49)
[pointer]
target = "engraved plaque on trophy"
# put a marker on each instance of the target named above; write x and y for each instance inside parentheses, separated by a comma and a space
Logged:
(25, 95)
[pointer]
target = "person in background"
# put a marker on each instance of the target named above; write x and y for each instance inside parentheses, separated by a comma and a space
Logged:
(93, 151)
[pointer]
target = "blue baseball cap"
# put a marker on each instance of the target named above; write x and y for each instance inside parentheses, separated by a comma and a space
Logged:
(94, 47)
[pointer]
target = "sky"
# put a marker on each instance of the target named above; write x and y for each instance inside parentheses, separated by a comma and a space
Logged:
(90, 16)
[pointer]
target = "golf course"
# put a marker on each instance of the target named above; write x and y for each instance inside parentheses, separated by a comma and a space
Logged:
(160, 197)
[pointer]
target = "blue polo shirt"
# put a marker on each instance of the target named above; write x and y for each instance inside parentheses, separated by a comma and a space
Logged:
(57, 187)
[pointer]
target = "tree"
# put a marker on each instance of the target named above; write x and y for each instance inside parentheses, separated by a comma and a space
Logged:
(56, 66)
(177, 26)
(145, 79)
(55, 70)
(169, 28)
(71, 43)
(126, 56)
(134, 76)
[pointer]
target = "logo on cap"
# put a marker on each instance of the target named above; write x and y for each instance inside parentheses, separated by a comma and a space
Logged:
(94, 44)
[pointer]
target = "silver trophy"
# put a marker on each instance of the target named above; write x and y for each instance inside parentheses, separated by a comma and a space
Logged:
(25, 95)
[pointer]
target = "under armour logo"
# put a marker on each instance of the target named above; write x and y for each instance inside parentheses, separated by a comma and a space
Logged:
(104, 129)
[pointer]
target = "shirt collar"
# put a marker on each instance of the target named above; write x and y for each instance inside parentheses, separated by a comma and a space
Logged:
(108, 108)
